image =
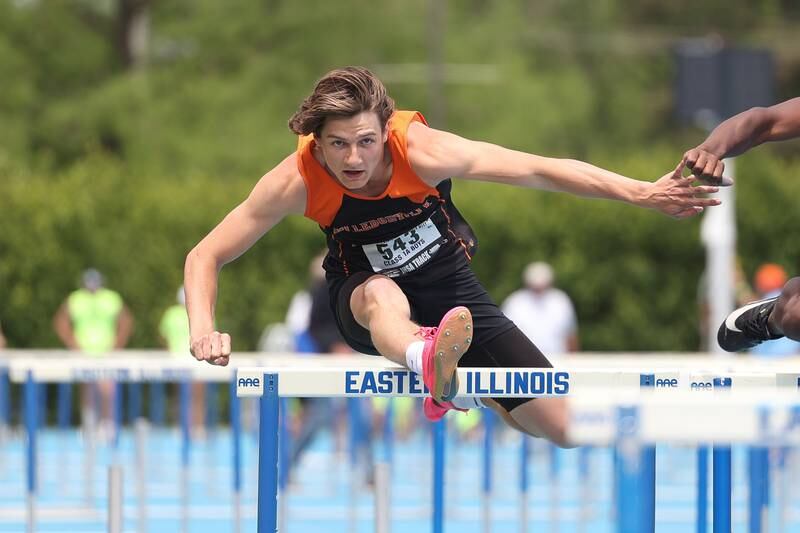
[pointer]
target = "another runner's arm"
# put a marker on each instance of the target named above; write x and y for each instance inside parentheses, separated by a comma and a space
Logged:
(278, 193)
(742, 132)
(436, 155)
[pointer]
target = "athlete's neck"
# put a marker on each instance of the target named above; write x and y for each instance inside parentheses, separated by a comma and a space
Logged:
(380, 179)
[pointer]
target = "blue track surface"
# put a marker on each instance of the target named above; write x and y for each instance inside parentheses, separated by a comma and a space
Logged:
(321, 495)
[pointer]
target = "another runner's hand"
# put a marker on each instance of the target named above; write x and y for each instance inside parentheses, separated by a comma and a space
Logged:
(706, 166)
(679, 197)
(214, 348)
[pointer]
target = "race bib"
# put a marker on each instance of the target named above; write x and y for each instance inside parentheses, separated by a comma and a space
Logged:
(405, 253)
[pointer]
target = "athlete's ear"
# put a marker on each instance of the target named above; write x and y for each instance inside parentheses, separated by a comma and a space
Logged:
(385, 132)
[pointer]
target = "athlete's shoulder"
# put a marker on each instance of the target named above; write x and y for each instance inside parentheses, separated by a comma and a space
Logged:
(288, 168)
(281, 189)
(421, 142)
(287, 174)
(418, 134)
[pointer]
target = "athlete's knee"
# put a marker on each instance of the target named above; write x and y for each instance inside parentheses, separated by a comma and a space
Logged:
(380, 290)
(545, 420)
(559, 436)
(556, 435)
(791, 288)
(788, 309)
(375, 293)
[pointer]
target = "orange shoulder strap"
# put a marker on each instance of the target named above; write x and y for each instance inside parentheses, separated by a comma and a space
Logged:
(405, 181)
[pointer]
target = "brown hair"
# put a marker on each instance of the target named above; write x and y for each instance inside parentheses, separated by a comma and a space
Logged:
(343, 92)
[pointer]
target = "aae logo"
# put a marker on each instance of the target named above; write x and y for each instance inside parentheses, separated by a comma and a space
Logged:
(668, 383)
(249, 382)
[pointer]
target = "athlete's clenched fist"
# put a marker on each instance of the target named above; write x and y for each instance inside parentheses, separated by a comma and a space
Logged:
(214, 347)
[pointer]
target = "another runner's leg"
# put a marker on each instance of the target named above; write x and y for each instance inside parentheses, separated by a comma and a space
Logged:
(786, 315)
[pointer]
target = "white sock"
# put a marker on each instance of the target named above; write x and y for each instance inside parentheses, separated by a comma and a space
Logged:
(467, 402)
(414, 356)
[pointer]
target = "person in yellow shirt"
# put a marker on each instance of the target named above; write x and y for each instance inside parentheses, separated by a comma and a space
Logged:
(95, 321)
(174, 331)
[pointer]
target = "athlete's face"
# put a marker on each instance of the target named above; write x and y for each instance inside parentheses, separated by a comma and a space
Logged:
(353, 149)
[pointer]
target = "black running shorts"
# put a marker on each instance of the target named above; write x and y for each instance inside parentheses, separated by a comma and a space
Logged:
(497, 342)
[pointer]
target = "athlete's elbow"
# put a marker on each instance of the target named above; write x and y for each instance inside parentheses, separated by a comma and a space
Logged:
(199, 258)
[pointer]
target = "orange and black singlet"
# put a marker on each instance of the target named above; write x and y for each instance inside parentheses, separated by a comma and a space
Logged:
(410, 227)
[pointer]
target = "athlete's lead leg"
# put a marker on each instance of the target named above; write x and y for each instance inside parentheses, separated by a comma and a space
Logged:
(380, 306)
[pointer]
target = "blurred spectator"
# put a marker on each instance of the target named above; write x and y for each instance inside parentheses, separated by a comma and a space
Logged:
(174, 331)
(320, 335)
(292, 335)
(543, 313)
(769, 281)
(2, 338)
(309, 316)
(94, 320)
(322, 327)
(174, 327)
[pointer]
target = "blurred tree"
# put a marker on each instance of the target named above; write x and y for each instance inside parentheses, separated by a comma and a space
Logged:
(103, 163)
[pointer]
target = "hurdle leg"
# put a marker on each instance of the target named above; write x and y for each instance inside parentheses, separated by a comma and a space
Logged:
(648, 459)
(486, 496)
(5, 399)
(584, 473)
(438, 434)
(89, 422)
(721, 458)
(268, 456)
(185, 403)
(115, 499)
(157, 402)
(757, 462)
(236, 436)
(116, 414)
(524, 453)
(636, 476)
(64, 407)
(5, 412)
(63, 419)
(383, 473)
(354, 431)
(554, 514)
(629, 500)
(382, 497)
(702, 489)
(284, 462)
(140, 476)
(31, 423)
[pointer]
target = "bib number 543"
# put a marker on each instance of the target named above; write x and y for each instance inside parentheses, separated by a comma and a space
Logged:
(398, 244)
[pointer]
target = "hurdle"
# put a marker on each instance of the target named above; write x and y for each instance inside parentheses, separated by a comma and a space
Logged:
(667, 378)
(56, 366)
(611, 405)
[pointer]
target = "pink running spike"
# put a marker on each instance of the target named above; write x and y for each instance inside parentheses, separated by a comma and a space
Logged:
(434, 411)
(444, 347)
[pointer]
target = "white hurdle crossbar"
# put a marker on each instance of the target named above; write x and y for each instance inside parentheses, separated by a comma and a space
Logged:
(634, 407)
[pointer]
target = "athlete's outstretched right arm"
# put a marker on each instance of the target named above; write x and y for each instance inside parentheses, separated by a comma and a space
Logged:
(278, 193)
(742, 132)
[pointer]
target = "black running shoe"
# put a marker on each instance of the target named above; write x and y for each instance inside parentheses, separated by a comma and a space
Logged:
(746, 327)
